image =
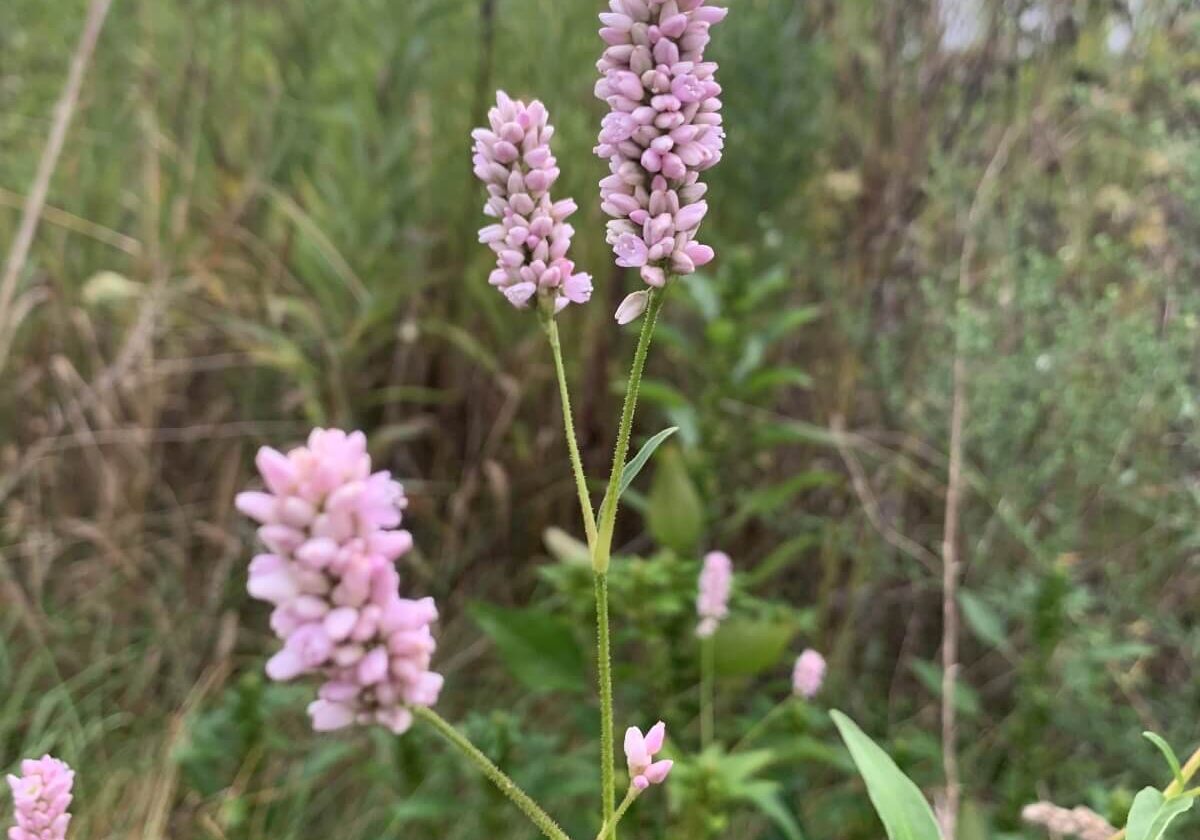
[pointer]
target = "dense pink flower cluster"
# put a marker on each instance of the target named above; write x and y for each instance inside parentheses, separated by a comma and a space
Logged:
(331, 527)
(531, 237)
(663, 130)
(41, 796)
(712, 599)
(639, 756)
(808, 674)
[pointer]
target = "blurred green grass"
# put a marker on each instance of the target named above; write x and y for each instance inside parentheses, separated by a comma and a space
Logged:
(271, 225)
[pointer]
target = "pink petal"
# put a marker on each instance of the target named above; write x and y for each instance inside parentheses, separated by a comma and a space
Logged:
(261, 507)
(657, 772)
(655, 737)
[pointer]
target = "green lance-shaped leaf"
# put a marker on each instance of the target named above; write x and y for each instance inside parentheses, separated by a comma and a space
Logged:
(898, 801)
(639, 461)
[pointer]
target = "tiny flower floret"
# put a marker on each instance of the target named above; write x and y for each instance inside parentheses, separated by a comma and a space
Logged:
(639, 753)
(531, 236)
(331, 529)
(41, 797)
(712, 600)
(663, 129)
(808, 674)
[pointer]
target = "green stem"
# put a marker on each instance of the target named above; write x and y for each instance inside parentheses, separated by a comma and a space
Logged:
(610, 827)
(506, 785)
(602, 550)
(604, 669)
(706, 691)
(585, 503)
(1190, 768)
(608, 508)
(763, 722)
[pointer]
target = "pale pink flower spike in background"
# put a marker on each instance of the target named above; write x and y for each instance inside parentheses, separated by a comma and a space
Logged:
(331, 527)
(712, 600)
(41, 797)
(808, 674)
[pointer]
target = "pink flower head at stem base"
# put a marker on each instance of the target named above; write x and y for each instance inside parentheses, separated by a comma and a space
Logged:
(639, 753)
(712, 600)
(41, 796)
(662, 130)
(808, 674)
(531, 236)
(331, 529)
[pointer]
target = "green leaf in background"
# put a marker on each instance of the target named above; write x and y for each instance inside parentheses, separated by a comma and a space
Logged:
(639, 461)
(745, 647)
(930, 674)
(984, 621)
(765, 795)
(1152, 813)
(676, 514)
(538, 648)
(900, 804)
(1169, 754)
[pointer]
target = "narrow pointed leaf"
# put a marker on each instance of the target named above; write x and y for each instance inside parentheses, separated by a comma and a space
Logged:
(898, 801)
(1169, 754)
(639, 460)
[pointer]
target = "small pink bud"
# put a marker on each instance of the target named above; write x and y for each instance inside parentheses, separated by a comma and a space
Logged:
(632, 307)
(639, 755)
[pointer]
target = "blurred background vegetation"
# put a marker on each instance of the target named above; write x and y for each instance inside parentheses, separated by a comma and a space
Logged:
(264, 219)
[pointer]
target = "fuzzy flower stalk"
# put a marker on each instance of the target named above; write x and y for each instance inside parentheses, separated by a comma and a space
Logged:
(41, 797)
(808, 674)
(663, 129)
(712, 599)
(331, 529)
(531, 236)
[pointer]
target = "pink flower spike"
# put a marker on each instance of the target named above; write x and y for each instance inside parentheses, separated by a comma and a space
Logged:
(334, 538)
(808, 674)
(712, 600)
(639, 755)
(663, 130)
(41, 797)
(513, 159)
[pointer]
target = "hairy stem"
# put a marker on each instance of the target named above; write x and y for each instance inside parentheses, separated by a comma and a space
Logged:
(604, 671)
(585, 502)
(497, 776)
(601, 552)
(608, 509)
(610, 826)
